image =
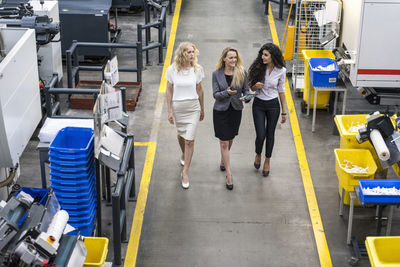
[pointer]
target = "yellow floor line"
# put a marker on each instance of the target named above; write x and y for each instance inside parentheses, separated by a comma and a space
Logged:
(316, 221)
(134, 238)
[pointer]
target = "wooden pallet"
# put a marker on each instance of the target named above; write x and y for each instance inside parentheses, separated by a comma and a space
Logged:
(85, 101)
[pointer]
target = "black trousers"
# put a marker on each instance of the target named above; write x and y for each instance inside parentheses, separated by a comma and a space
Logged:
(265, 116)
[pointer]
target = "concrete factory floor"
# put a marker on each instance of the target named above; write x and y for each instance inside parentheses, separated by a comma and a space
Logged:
(263, 221)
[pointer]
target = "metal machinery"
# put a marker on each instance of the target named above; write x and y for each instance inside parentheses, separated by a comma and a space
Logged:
(384, 137)
(87, 21)
(31, 234)
(317, 26)
(368, 51)
(43, 17)
(127, 4)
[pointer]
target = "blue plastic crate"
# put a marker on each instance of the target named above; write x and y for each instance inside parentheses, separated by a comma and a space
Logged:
(77, 163)
(389, 183)
(72, 157)
(85, 229)
(38, 194)
(78, 207)
(79, 184)
(73, 140)
(84, 217)
(62, 199)
(62, 193)
(63, 187)
(86, 211)
(319, 77)
(70, 169)
(55, 174)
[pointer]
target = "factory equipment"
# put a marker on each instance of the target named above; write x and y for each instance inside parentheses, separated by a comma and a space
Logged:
(10, 214)
(384, 137)
(368, 51)
(32, 234)
(127, 4)
(87, 21)
(23, 17)
(20, 110)
(43, 17)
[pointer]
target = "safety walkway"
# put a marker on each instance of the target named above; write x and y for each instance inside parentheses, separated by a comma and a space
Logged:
(263, 221)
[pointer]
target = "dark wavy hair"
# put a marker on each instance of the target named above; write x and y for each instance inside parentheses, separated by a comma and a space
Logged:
(258, 68)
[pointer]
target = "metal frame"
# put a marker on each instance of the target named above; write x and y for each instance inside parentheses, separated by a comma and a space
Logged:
(275, 1)
(124, 191)
(73, 66)
(160, 25)
(307, 36)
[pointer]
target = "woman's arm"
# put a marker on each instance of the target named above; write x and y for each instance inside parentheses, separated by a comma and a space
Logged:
(282, 98)
(218, 92)
(200, 93)
(169, 92)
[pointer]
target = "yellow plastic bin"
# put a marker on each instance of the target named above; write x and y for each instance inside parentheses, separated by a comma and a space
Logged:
(347, 180)
(383, 251)
(97, 249)
(323, 97)
(344, 124)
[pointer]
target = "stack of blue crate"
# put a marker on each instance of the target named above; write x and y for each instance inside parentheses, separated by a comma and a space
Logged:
(73, 176)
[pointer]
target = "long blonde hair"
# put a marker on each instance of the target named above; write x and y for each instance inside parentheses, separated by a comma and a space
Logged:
(180, 58)
(238, 71)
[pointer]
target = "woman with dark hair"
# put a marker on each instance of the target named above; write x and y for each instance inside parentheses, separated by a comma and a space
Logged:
(267, 75)
(229, 82)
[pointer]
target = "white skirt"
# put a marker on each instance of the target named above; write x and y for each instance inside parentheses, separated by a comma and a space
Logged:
(186, 116)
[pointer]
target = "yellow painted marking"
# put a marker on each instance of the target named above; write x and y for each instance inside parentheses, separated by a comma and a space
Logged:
(171, 42)
(134, 237)
(316, 221)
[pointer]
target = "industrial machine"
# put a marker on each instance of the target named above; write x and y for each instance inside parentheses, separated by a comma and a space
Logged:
(368, 51)
(31, 234)
(384, 137)
(87, 21)
(127, 4)
(42, 16)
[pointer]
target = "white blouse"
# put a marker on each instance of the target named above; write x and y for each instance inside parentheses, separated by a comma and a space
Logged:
(274, 84)
(184, 82)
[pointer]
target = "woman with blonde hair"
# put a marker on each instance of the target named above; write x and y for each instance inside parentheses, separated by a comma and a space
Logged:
(185, 100)
(229, 82)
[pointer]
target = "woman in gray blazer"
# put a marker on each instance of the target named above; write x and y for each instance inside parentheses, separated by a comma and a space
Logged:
(229, 86)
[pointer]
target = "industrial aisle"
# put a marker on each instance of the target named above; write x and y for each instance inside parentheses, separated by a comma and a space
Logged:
(263, 221)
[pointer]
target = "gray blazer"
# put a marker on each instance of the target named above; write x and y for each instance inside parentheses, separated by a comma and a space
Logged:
(222, 98)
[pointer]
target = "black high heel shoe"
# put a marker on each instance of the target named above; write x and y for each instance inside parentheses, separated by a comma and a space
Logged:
(265, 173)
(257, 165)
(229, 186)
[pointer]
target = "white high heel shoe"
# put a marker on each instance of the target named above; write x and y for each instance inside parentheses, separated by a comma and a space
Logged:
(184, 185)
